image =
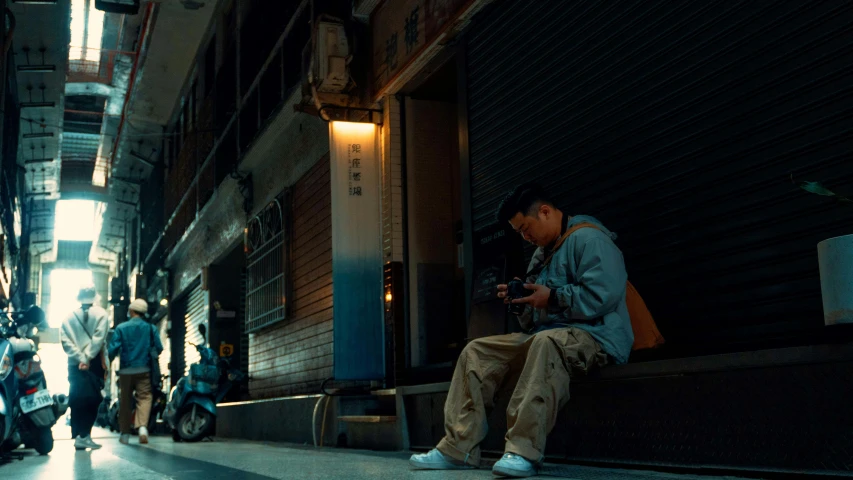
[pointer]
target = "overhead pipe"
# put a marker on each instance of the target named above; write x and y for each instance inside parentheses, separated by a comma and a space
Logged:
(143, 35)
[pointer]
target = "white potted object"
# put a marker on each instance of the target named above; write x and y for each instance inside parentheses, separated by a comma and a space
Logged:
(835, 258)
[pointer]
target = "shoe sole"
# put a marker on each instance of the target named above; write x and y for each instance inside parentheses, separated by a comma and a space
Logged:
(426, 466)
(511, 472)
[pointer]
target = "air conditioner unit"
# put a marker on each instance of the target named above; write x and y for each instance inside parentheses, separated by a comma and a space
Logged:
(331, 72)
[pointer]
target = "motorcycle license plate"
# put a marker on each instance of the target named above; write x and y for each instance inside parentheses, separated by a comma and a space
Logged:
(35, 401)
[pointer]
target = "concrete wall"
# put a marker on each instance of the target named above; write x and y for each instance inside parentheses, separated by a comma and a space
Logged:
(280, 420)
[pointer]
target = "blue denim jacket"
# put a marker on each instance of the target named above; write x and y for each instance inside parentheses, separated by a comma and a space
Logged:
(133, 339)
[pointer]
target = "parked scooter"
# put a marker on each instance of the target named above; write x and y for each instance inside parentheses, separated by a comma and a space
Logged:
(36, 411)
(8, 385)
(191, 411)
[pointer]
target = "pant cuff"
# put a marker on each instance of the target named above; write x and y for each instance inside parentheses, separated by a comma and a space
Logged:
(523, 448)
(469, 458)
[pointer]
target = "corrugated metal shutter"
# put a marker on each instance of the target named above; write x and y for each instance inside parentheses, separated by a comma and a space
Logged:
(678, 124)
(195, 316)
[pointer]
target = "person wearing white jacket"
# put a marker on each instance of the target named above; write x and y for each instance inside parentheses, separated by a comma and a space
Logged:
(83, 336)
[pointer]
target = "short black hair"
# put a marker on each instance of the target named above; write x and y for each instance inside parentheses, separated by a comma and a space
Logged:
(524, 199)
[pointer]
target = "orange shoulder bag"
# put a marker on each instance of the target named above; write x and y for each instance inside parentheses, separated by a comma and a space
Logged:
(646, 333)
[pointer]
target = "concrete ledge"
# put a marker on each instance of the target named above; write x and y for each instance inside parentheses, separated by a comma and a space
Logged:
(778, 357)
(426, 388)
(287, 419)
(762, 413)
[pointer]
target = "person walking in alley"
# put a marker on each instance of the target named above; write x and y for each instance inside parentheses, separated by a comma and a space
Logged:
(83, 337)
(574, 319)
(134, 339)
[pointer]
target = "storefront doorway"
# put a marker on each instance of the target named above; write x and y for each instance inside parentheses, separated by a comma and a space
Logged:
(227, 287)
(435, 268)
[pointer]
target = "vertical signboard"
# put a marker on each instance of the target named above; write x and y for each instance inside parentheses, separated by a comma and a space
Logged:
(356, 252)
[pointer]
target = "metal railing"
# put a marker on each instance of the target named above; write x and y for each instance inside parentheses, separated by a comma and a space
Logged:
(213, 152)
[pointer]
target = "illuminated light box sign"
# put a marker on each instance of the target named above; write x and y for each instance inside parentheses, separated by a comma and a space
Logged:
(356, 251)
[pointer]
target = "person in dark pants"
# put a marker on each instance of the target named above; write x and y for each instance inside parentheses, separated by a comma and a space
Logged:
(83, 336)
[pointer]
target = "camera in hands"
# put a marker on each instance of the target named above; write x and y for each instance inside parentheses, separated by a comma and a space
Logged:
(515, 289)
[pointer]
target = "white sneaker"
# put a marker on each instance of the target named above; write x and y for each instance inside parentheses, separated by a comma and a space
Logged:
(143, 435)
(80, 443)
(435, 460)
(514, 466)
(91, 443)
(124, 439)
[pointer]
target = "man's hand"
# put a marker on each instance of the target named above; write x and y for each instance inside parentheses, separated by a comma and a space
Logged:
(83, 366)
(539, 297)
(502, 291)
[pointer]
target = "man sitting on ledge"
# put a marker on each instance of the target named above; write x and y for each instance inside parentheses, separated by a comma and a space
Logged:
(575, 319)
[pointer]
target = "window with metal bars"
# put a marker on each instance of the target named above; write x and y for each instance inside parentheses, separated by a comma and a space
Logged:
(266, 266)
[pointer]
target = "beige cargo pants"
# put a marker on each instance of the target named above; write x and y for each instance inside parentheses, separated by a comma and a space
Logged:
(543, 364)
(140, 384)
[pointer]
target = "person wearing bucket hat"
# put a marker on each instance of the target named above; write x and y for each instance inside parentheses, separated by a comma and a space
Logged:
(133, 339)
(83, 336)
(139, 306)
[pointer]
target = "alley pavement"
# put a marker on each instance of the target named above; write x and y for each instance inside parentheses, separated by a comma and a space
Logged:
(231, 459)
